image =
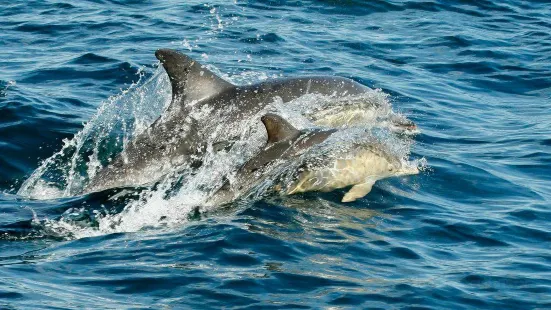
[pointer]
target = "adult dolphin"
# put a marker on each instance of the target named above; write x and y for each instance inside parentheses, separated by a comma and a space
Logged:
(200, 99)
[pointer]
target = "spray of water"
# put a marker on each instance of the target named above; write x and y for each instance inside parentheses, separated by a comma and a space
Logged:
(115, 123)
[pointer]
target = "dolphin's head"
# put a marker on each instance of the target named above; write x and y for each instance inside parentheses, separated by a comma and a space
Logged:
(406, 169)
(359, 165)
(390, 164)
(402, 125)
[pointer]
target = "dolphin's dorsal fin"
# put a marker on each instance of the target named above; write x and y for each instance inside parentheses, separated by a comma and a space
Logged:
(189, 79)
(278, 129)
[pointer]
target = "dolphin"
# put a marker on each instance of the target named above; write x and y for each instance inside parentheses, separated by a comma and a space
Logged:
(201, 102)
(359, 165)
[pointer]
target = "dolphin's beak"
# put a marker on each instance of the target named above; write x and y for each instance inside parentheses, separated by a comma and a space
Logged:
(405, 129)
(403, 125)
(407, 170)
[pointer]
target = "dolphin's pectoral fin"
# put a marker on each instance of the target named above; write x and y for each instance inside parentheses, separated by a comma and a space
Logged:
(190, 80)
(278, 129)
(358, 191)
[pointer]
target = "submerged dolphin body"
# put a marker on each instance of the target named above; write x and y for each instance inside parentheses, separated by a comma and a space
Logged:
(359, 165)
(201, 101)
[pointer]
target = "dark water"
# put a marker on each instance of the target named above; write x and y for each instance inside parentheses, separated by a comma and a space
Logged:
(472, 231)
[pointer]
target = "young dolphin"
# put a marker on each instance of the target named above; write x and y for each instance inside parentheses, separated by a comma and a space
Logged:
(359, 165)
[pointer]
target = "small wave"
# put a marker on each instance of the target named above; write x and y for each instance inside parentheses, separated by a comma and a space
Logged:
(4, 85)
(50, 29)
(269, 37)
(91, 58)
(119, 72)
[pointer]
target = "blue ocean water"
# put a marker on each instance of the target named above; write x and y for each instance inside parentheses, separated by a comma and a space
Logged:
(471, 231)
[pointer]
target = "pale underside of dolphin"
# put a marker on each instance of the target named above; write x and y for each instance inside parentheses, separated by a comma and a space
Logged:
(359, 165)
(177, 137)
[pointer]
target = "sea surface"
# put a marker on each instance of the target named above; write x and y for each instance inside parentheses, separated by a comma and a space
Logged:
(471, 231)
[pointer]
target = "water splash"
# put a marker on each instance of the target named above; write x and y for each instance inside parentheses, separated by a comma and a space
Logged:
(117, 120)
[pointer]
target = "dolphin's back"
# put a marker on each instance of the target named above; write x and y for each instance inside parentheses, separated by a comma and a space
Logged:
(292, 88)
(250, 99)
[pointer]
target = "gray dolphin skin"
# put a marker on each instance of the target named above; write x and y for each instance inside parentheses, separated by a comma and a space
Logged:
(178, 136)
(359, 165)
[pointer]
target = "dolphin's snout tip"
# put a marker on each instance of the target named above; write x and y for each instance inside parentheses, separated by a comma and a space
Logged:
(409, 127)
(408, 170)
(405, 128)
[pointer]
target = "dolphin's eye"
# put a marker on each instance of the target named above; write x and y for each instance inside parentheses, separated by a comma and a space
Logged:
(391, 168)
